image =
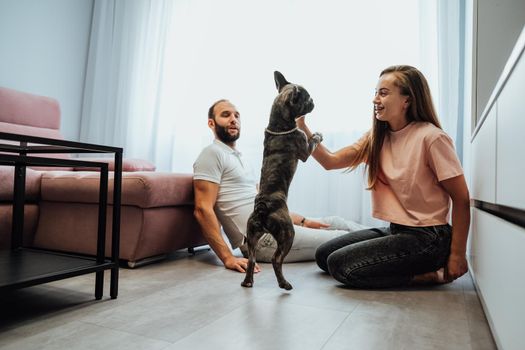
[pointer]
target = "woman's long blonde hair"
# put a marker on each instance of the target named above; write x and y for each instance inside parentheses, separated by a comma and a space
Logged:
(412, 83)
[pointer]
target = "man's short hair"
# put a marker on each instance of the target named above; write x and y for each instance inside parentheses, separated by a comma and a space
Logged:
(211, 114)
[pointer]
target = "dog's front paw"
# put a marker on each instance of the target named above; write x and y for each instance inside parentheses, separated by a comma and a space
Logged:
(315, 140)
(317, 137)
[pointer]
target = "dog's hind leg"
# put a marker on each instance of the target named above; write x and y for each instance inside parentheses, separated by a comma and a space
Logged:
(254, 233)
(283, 248)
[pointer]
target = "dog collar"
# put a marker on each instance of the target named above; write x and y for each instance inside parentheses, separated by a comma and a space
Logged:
(280, 132)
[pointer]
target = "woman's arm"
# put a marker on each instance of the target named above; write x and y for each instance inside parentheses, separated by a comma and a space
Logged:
(457, 265)
(342, 158)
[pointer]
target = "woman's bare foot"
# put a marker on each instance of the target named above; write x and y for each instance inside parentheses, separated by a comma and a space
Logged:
(434, 277)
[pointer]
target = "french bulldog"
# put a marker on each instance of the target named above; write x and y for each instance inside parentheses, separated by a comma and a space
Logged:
(284, 145)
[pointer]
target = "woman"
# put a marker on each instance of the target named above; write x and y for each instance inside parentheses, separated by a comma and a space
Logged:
(413, 173)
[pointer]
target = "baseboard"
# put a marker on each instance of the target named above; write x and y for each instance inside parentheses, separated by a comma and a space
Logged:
(510, 214)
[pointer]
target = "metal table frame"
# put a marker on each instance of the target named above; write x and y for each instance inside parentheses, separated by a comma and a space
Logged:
(24, 267)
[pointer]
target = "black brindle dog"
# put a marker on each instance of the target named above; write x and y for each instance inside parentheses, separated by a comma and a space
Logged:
(284, 144)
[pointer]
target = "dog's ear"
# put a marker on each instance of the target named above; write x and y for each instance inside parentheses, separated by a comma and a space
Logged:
(280, 80)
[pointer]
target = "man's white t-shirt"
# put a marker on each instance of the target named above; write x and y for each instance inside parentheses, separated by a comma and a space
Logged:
(220, 164)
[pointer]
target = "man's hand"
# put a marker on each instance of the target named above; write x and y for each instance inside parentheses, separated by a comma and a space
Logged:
(315, 224)
(456, 267)
(239, 264)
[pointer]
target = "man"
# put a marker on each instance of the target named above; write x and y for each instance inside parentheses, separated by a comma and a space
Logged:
(225, 189)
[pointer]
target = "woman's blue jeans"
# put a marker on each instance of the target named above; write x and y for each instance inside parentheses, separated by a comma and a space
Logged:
(385, 257)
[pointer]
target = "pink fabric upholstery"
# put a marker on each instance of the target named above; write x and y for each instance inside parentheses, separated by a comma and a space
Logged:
(78, 228)
(7, 176)
(143, 189)
(27, 109)
(6, 220)
(28, 114)
(30, 130)
(40, 132)
(146, 232)
(128, 164)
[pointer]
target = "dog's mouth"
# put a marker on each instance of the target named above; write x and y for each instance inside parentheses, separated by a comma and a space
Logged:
(310, 105)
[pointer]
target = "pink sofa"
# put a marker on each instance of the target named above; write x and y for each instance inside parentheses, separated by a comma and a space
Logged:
(61, 205)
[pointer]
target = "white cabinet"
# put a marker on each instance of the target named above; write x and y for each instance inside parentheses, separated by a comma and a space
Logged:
(497, 185)
(497, 264)
(510, 190)
(483, 184)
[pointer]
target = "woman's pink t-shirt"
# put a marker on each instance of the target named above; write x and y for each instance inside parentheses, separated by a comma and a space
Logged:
(413, 161)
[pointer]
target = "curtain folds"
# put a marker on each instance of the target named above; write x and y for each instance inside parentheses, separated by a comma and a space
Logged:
(451, 66)
(123, 90)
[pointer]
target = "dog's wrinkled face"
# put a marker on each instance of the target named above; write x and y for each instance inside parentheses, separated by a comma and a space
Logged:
(293, 96)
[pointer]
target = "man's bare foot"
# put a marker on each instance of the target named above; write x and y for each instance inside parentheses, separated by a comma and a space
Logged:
(434, 277)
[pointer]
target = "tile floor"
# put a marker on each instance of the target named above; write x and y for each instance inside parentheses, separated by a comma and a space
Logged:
(192, 302)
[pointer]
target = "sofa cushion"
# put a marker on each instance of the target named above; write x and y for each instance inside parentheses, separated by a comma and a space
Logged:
(27, 114)
(30, 130)
(7, 176)
(39, 132)
(128, 164)
(143, 189)
(27, 109)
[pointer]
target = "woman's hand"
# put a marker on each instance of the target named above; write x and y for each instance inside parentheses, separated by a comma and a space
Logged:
(456, 267)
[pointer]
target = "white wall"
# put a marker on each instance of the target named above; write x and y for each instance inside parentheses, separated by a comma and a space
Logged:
(43, 50)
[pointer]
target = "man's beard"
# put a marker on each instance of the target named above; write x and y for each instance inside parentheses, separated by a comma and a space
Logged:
(224, 136)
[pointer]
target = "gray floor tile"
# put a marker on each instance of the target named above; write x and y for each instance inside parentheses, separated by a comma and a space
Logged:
(318, 290)
(373, 325)
(79, 335)
(175, 312)
(264, 324)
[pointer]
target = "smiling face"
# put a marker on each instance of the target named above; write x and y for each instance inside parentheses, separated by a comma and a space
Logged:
(226, 123)
(389, 104)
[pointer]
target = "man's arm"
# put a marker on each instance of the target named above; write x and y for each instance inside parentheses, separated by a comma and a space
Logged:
(205, 198)
(303, 221)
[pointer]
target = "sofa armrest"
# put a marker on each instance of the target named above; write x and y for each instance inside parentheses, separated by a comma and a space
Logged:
(128, 165)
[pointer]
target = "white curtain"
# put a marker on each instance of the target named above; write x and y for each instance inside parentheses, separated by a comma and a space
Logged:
(451, 43)
(123, 93)
(156, 66)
